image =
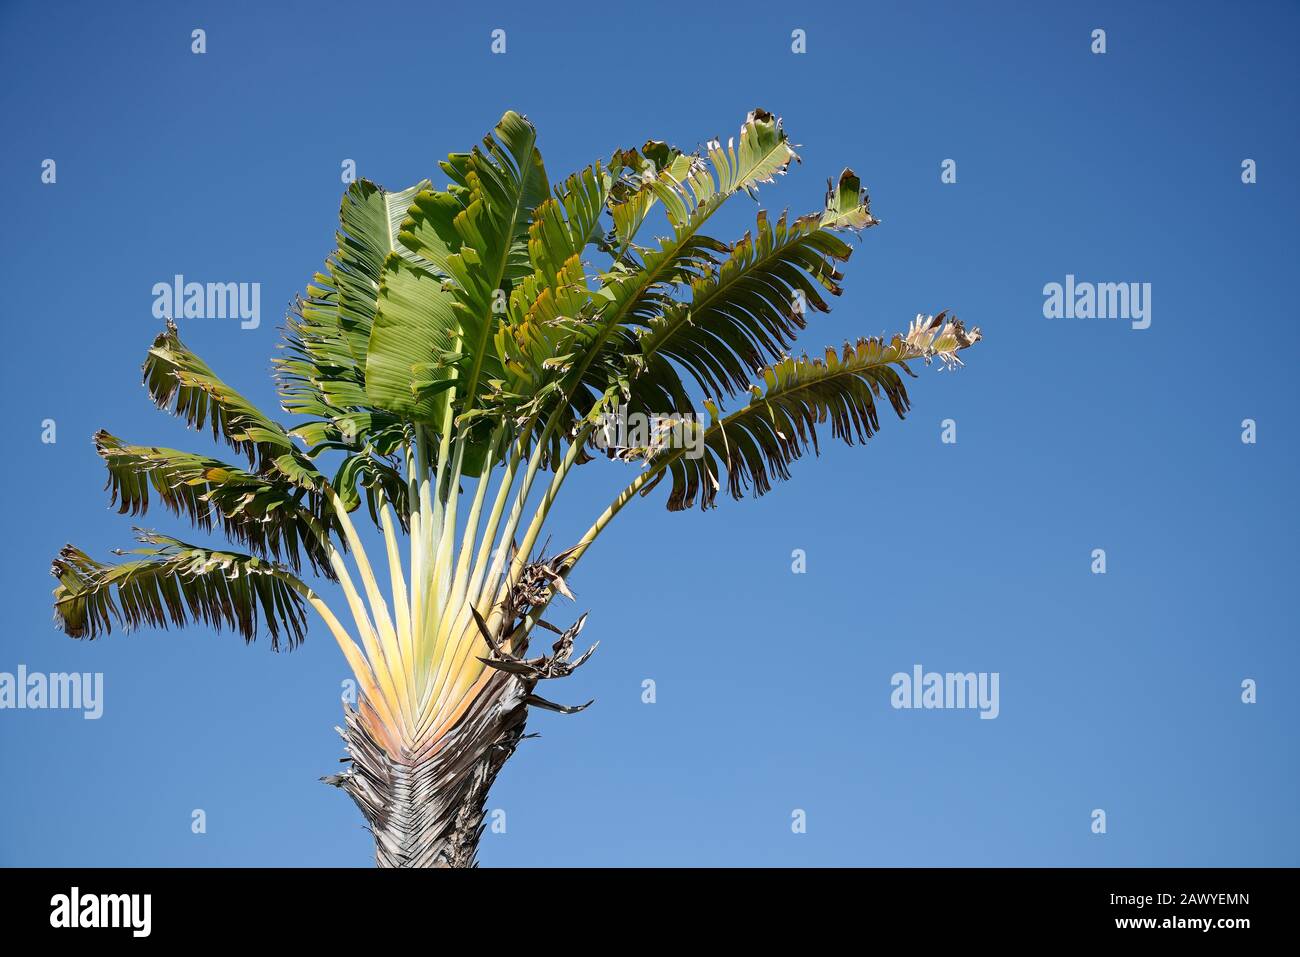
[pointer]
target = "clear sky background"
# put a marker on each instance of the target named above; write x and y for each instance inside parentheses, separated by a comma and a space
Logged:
(1119, 691)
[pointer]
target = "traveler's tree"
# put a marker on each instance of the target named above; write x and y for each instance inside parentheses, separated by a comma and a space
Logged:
(448, 369)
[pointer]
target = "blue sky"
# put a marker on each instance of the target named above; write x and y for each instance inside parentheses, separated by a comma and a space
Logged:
(1119, 691)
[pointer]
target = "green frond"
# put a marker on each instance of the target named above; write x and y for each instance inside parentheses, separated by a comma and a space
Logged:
(272, 518)
(174, 583)
(749, 312)
(756, 445)
(180, 382)
(413, 343)
(691, 191)
(537, 342)
(323, 372)
(631, 192)
(477, 231)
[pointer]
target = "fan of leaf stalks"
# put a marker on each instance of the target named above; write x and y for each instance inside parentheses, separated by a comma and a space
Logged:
(453, 362)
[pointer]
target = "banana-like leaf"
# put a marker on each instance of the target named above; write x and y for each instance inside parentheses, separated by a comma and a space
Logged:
(171, 582)
(691, 191)
(563, 226)
(427, 339)
(536, 345)
(756, 445)
(178, 381)
(415, 333)
(631, 193)
(748, 313)
(506, 182)
(328, 333)
(739, 317)
(274, 519)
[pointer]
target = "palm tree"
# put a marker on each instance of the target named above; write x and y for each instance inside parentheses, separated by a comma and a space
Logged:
(457, 346)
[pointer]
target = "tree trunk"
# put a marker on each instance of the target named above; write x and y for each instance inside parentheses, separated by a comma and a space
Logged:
(427, 809)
